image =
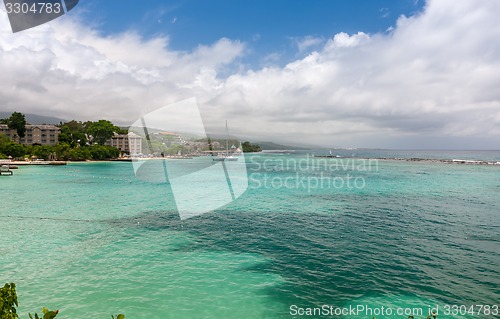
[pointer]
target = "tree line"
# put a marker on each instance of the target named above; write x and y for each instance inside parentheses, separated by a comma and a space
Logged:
(78, 141)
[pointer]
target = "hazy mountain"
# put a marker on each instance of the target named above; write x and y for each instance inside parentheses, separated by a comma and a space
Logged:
(35, 119)
(275, 146)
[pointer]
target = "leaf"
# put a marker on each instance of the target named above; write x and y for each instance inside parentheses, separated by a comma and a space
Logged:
(51, 314)
(120, 316)
(45, 310)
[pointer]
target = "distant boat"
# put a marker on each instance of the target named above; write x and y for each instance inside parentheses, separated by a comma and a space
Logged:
(226, 157)
(5, 170)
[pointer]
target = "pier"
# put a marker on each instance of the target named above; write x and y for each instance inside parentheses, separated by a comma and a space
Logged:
(5, 170)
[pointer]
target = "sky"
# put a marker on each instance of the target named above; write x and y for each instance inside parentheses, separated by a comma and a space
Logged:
(378, 74)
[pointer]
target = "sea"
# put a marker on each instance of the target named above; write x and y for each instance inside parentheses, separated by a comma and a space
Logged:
(310, 237)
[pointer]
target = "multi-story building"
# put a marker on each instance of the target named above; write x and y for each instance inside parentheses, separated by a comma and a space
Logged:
(35, 134)
(130, 143)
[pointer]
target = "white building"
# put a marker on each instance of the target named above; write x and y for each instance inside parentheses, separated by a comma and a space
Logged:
(130, 143)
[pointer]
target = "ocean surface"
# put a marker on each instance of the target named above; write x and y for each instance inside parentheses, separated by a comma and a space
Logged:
(92, 239)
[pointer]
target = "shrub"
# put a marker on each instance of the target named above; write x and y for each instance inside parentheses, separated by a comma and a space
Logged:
(8, 302)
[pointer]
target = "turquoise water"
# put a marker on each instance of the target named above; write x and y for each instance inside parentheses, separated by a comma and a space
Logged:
(91, 238)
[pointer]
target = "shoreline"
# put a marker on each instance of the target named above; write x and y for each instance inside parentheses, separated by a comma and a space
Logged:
(417, 159)
(129, 160)
(40, 163)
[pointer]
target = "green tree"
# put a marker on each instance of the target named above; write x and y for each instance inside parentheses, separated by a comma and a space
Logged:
(73, 134)
(249, 148)
(8, 302)
(62, 151)
(101, 131)
(13, 149)
(17, 121)
(78, 154)
(102, 152)
(44, 152)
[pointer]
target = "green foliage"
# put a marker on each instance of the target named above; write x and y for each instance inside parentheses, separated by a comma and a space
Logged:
(47, 314)
(72, 146)
(9, 148)
(101, 131)
(101, 152)
(17, 121)
(73, 133)
(249, 148)
(78, 154)
(12, 149)
(62, 151)
(121, 130)
(8, 302)
(43, 152)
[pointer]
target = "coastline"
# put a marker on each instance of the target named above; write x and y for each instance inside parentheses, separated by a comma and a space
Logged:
(41, 163)
(421, 160)
(128, 160)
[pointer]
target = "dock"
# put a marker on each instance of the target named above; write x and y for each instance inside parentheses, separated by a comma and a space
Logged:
(5, 170)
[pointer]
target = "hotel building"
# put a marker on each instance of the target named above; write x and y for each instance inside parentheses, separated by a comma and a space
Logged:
(130, 143)
(35, 134)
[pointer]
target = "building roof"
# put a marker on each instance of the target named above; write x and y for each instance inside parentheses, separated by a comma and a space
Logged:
(42, 127)
(133, 135)
(29, 126)
(129, 135)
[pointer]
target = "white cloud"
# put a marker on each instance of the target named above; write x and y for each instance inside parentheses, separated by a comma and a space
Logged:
(343, 40)
(433, 77)
(69, 70)
(307, 42)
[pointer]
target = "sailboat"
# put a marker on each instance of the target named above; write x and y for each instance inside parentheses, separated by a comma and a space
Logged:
(226, 157)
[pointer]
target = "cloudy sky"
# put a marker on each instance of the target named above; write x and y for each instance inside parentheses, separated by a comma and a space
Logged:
(391, 74)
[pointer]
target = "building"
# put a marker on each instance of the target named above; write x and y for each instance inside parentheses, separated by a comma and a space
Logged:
(35, 134)
(130, 143)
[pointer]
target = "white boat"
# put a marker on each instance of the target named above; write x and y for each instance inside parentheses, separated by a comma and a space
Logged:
(226, 157)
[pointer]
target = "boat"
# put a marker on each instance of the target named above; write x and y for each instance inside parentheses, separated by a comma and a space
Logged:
(226, 157)
(5, 170)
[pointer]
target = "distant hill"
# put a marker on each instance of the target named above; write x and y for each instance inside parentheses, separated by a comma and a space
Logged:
(35, 119)
(274, 146)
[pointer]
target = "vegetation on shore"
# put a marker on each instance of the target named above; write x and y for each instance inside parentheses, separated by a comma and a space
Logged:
(17, 121)
(78, 141)
(9, 304)
(250, 148)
